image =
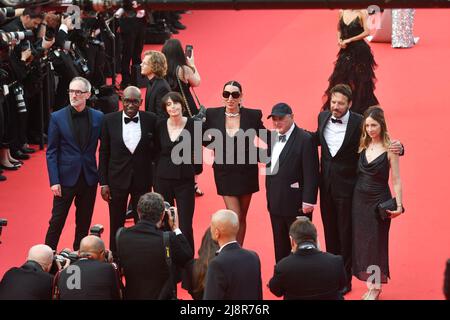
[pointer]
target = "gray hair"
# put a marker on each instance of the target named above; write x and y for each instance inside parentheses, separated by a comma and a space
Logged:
(150, 207)
(85, 81)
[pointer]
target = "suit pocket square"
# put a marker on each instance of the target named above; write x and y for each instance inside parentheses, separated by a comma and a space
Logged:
(295, 185)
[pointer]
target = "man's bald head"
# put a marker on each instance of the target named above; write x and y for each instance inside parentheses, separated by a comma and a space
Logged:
(92, 247)
(41, 254)
(224, 226)
(132, 92)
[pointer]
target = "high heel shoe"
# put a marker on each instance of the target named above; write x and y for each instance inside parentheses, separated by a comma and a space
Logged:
(9, 168)
(198, 191)
(372, 294)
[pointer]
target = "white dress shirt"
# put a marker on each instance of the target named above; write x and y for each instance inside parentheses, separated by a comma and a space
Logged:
(278, 148)
(131, 133)
(334, 133)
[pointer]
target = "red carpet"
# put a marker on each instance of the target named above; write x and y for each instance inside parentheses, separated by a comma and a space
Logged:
(287, 56)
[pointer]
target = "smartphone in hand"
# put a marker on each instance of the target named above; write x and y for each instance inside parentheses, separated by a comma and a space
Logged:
(188, 50)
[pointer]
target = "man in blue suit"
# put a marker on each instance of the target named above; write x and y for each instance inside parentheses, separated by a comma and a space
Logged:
(73, 135)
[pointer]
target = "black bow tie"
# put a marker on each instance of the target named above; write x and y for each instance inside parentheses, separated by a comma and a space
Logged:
(336, 120)
(127, 120)
(282, 138)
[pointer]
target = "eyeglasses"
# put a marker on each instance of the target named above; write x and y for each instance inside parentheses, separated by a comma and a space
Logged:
(76, 92)
(132, 101)
(234, 94)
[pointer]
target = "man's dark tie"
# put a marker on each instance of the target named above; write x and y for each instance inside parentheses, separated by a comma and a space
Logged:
(336, 120)
(127, 120)
(282, 138)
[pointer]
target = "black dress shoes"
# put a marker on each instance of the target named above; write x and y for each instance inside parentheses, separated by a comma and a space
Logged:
(178, 25)
(27, 150)
(20, 155)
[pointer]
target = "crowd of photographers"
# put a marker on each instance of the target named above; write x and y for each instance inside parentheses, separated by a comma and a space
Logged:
(41, 52)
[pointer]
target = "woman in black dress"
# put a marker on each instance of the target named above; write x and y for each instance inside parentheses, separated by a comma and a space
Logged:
(174, 178)
(355, 63)
(370, 232)
(235, 154)
(182, 74)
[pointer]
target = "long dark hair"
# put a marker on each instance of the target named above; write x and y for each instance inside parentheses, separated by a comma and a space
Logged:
(206, 252)
(174, 53)
(377, 114)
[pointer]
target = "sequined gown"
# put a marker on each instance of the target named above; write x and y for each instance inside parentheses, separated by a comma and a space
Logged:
(370, 234)
(354, 66)
(402, 28)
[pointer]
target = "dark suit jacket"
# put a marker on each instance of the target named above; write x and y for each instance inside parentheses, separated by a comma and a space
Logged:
(118, 168)
(447, 281)
(309, 274)
(156, 89)
(235, 274)
(298, 164)
(29, 282)
(338, 173)
(98, 281)
(142, 256)
(65, 158)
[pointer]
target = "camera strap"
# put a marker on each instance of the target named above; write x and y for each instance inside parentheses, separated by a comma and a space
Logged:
(169, 283)
(55, 288)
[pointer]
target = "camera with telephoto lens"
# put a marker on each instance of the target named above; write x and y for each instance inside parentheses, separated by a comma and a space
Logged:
(61, 258)
(8, 38)
(20, 100)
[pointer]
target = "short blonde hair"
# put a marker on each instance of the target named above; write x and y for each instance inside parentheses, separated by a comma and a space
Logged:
(158, 62)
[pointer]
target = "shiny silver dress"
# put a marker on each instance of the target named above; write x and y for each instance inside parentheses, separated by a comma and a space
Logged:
(402, 28)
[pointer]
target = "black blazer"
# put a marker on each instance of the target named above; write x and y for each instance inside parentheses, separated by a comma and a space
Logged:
(118, 168)
(29, 282)
(298, 164)
(98, 281)
(235, 274)
(338, 173)
(309, 274)
(165, 167)
(142, 256)
(156, 90)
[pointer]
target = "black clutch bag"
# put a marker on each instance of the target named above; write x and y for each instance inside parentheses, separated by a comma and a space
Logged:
(391, 205)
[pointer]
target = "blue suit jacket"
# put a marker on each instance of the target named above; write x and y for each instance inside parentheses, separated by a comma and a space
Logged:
(65, 158)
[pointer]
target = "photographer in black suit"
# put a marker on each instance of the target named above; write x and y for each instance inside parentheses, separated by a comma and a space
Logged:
(141, 252)
(98, 279)
(32, 280)
(125, 158)
(308, 273)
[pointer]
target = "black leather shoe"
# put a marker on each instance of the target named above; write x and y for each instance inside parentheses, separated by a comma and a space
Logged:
(20, 155)
(346, 289)
(13, 168)
(27, 150)
(2, 178)
(178, 25)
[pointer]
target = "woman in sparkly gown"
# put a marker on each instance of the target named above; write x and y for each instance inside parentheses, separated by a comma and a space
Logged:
(355, 62)
(370, 240)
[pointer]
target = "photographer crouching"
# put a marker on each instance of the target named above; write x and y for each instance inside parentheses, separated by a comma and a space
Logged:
(91, 277)
(145, 257)
(31, 281)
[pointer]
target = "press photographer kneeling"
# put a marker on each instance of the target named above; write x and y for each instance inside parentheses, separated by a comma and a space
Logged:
(92, 276)
(142, 253)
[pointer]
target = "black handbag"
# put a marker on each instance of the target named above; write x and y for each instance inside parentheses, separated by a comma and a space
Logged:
(200, 116)
(391, 205)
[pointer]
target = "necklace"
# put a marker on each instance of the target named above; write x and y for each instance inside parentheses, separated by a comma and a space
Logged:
(232, 115)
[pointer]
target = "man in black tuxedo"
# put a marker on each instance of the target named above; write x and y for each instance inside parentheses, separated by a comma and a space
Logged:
(142, 254)
(308, 273)
(235, 274)
(32, 280)
(98, 279)
(125, 158)
(154, 67)
(292, 176)
(338, 133)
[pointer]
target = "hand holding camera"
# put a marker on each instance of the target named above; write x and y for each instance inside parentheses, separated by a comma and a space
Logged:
(171, 216)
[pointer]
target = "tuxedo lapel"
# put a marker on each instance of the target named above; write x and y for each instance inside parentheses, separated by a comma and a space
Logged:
(352, 125)
(288, 146)
(119, 123)
(322, 130)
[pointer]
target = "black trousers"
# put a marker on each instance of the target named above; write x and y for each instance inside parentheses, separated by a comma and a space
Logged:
(182, 194)
(84, 196)
(118, 209)
(132, 45)
(337, 223)
(280, 231)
